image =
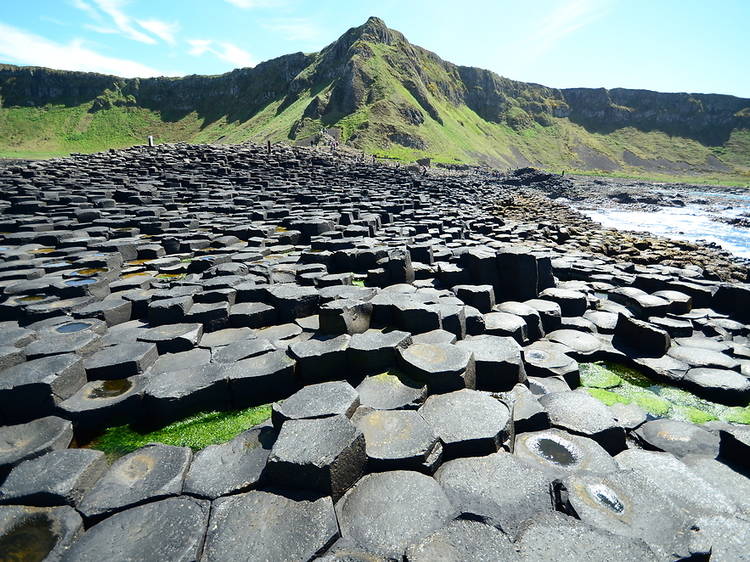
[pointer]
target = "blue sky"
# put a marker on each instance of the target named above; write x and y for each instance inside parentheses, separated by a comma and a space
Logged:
(665, 45)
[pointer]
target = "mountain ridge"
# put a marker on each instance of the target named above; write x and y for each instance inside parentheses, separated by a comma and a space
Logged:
(379, 93)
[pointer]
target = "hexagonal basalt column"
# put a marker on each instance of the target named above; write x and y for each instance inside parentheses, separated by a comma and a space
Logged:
(325, 455)
(444, 367)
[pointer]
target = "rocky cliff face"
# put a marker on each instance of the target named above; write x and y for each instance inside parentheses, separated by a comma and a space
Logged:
(399, 93)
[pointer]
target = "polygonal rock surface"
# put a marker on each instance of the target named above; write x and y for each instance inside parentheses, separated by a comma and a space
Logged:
(33, 439)
(268, 526)
(386, 512)
(174, 528)
(580, 413)
(719, 385)
(469, 422)
(561, 452)
(463, 540)
(261, 379)
(391, 391)
(321, 359)
(317, 401)
(326, 455)
(677, 481)
(152, 472)
(37, 533)
(398, 440)
(565, 539)
(443, 367)
(500, 489)
(121, 361)
(628, 505)
(57, 478)
(498, 361)
(374, 351)
(228, 468)
(678, 438)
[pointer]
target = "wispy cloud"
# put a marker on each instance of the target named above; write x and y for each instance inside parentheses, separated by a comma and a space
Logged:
(163, 30)
(295, 29)
(566, 19)
(110, 18)
(248, 4)
(222, 50)
(21, 47)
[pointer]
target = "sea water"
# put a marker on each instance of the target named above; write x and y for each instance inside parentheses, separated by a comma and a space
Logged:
(680, 223)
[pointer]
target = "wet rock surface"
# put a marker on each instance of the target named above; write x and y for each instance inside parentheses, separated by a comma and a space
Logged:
(421, 339)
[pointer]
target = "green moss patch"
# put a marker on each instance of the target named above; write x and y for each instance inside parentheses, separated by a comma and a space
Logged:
(594, 375)
(611, 383)
(196, 432)
(358, 283)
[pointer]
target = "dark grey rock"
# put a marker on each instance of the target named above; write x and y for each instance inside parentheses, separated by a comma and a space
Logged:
(102, 403)
(719, 385)
(497, 360)
(399, 440)
(33, 439)
(174, 338)
(374, 351)
(121, 361)
(560, 453)
(37, 533)
(261, 379)
(580, 413)
(177, 394)
(173, 527)
(57, 478)
(443, 367)
(153, 472)
(321, 359)
(232, 467)
(325, 455)
(469, 422)
(391, 391)
(317, 401)
(269, 526)
(677, 437)
(499, 489)
(463, 540)
(386, 512)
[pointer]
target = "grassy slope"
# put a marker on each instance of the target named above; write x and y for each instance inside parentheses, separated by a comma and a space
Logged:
(463, 137)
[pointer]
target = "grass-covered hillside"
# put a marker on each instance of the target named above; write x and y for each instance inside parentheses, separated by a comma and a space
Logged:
(380, 94)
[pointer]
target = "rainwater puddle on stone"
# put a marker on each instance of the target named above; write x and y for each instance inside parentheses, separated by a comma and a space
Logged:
(91, 271)
(606, 497)
(72, 327)
(111, 389)
(32, 298)
(554, 451)
(30, 541)
(80, 282)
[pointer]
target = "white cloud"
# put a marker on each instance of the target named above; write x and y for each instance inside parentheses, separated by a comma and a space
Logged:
(295, 29)
(123, 22)
(163, 30)
(87, 8)
(222, 50)
(21, 47)
(567, 18)
(247, 4)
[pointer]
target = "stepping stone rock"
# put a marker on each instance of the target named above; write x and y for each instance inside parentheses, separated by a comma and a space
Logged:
(232, 467)
(642, 338)
(174, 338)
(178, 394)
(498, 362)
(321, 359)
(243, 349)
(35, 388)
(374, 352)
(173, 527)
(566, 539)
(481, 297)
(443, 367)
(469, 422)
(719, 385)
(722, 538)
(399, 440)
(150, 473)
(268, 526)
(559, 452)
(317, 401)
(121, 361)
(684, 487)
(499, 489)
(582, 414)
(57, 478)
(628, 505)
(386, 512)
(33, 439)
(702, 357)
(572, 303)
(261, 379)
(677, 437)
(581, 345)
(252, 315)
(325, 455)
(391, 391)
(37, 533)
(104, 403)
(463, 540)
